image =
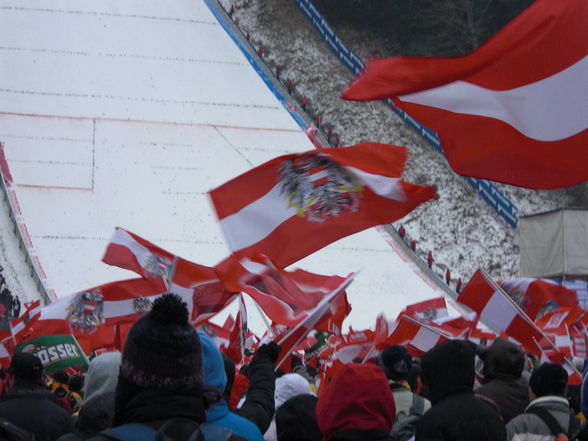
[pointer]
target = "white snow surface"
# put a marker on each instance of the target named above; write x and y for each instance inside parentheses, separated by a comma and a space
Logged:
(126, 113)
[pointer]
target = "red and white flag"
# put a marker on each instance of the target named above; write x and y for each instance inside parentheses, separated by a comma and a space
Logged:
(129, 251)
(31, 314)
(313, 320)
(532, 294)
(198, 285)
(433, 309)
(498, 311)
(296, 204)
(515, 110)
(287, 297)
(238, 337)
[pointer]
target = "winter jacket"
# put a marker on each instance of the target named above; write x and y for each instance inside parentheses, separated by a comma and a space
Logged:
(258, 406)
(296, 419)
(456, 413)
(287, 386)
(404, 400)
(502, 381)
(98, 405)
(34, 408)
(154, 408)
(530, 427)
(357, 405)
(215, 377)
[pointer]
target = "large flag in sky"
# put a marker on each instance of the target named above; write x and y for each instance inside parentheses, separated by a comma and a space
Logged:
(515, 110)
(296, 204)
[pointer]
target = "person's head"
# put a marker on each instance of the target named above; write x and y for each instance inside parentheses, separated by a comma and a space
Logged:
(26, 368)
(548, 379)
(296, 419)
(60, 377)
(448, 369)
(396, 362)
(162, 353)
(504, 360)
(288, 386)
(358, 399)
(100, 383)
(76, 383)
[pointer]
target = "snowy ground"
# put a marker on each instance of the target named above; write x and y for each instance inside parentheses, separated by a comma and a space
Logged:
(126, 113)
(460, 229)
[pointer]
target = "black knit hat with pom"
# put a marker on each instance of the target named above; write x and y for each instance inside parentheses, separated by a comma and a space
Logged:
(162, 350)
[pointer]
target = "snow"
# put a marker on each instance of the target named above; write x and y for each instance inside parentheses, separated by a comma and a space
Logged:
(125, 113)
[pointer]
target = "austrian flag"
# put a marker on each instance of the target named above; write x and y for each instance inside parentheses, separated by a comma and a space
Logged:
(515, 110)
(296, 204)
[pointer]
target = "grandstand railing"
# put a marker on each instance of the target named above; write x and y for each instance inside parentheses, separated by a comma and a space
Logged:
(20, 230)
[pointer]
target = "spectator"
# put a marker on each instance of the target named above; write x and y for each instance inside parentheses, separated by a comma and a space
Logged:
(458, 285)
(30, 405)
(76, 383)
(159, 391)
(97, 411)
(549, 414)
(413, 245)
(401, 232)
(456, 413)
(396, 363)
(287, 386)
(59, 384)
(430, 259)
(357, 405)
(296, 419)
(502, 381)
(219, 413)
(448, 276)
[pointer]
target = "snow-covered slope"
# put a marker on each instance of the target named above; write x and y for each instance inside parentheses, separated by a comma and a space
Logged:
(126, 113)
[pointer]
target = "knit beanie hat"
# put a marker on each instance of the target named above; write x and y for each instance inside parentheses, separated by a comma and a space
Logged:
(549, 379)
(162, 350)
(395, 361)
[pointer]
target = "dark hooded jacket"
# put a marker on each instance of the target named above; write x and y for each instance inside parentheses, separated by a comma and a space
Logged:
(296, 419)
(34, 408)
(456, 413)
(357, 405)
(503, 384)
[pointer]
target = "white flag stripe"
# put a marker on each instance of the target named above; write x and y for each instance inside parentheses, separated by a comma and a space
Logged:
(318, 175)
(257, 220)
(425, 339)
(499, 312)
(529, 109)
(121, 237)
(562, 341)
(21, 325)
(384, 186)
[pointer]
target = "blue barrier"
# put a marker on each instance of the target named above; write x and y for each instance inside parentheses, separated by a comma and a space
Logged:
(488, 191)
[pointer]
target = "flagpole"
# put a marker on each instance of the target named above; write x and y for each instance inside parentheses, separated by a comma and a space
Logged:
(323, 302)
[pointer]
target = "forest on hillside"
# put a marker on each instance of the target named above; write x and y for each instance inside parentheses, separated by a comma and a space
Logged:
(424, 27)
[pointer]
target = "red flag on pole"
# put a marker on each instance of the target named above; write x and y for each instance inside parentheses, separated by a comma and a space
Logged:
(296, 204)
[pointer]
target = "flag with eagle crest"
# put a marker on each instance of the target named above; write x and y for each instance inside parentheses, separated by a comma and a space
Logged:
(296, 204)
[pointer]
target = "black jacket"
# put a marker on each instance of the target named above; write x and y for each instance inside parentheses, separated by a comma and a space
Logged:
(34, 408)
(503, 366)
(259, 404)
(456, 413)
(154, 408)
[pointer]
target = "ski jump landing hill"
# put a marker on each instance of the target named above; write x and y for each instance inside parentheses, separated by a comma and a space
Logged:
(126, 113)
